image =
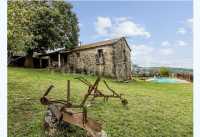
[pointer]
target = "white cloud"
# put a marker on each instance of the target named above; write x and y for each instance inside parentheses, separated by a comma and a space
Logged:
(167, 51)
(181, 43)
(142, 54)
(190, 22)
(118, 27)
(102, 25)
(118, 19)
(183, 62)
(130, 29)
(186, 28)
(176, 43)
(142, 49)
(179, 62)
(148, 56)
(165, 43)
(181, 31)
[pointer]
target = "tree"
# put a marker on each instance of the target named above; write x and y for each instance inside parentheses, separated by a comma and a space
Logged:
(70, 24)
(39, 26)
(19, 36)
(164, 72)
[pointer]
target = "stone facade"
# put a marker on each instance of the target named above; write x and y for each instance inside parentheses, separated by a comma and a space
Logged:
(122, 60)
(109, 58)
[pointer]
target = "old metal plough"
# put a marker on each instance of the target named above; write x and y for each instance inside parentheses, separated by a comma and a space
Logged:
(99, 93)
(60, 111)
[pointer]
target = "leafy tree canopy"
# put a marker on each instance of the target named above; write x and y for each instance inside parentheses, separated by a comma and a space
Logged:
(40, 25)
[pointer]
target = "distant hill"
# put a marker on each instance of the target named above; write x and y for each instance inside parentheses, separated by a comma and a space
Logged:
(171, 69)
(180, 70)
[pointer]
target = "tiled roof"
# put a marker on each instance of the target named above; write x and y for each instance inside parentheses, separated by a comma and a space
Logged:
(97, 44)
(89, 46)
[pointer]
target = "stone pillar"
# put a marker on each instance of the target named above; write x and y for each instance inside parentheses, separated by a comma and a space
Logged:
(59, 63)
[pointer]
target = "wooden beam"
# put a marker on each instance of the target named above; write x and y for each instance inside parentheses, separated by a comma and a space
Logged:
(49, 61)
(68, 91)
(40, 63)
(59, 63)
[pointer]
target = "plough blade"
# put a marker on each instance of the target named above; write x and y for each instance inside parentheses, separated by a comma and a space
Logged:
(91, 126)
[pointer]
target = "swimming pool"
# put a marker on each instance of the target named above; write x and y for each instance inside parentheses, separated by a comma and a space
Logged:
(166, 80)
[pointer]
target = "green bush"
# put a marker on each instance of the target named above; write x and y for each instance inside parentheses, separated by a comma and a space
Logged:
(164, 72)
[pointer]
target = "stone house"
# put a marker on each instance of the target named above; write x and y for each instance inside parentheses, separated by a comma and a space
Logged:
(111, 58)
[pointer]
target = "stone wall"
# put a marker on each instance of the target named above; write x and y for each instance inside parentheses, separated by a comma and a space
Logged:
(84, 61)
(116, 64)
(122, 60)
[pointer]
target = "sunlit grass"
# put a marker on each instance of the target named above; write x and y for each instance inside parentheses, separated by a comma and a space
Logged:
(154, 110)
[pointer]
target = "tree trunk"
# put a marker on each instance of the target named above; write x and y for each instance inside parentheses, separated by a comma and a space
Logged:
(9, 60)
(10, 55)
(28, 61)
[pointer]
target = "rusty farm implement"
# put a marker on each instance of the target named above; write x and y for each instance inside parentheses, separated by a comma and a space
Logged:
(100, 93)
(62, 111)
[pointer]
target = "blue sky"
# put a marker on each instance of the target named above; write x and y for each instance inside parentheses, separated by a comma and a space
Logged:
(158, 32)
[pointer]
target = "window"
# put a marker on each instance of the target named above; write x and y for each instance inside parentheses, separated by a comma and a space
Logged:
(65, 58)
(124, 52)
(100, 53)
(78, 54)
(99, 57)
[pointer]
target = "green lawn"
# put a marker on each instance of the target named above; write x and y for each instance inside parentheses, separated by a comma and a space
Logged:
(154, 110)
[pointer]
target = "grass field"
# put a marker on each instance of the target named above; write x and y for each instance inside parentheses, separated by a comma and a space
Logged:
(154, 110)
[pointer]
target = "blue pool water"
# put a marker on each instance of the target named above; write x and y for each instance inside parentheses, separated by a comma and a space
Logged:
(164, 80)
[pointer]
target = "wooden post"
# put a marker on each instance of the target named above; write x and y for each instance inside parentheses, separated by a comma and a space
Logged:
(68, 91)
(49, 61)
(59, 64)
(40, 63)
